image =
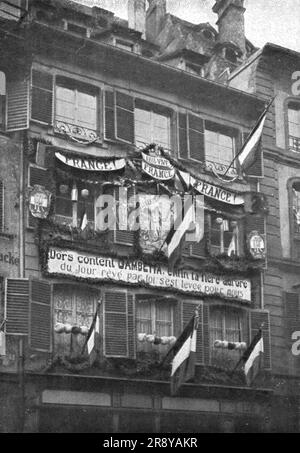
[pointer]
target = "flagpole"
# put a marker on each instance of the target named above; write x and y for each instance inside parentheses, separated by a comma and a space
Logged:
(257, 123)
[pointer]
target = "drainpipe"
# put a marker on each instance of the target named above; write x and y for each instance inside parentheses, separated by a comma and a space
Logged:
(262, 303)
(21, 201)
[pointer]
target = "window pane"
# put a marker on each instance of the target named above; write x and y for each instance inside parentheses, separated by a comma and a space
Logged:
(143, 317)
(65, 104)
(163, 320)
(219, 147)
(86, 110)
(296, 209)
(151, 127)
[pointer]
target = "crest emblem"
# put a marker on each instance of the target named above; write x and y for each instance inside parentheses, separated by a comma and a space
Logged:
(39, 202)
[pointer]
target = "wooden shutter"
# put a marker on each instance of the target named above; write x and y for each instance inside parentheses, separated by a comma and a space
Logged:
(109, 115)
(42, 96)
(124, 117)
(188, 310)
(292, 318)
(17, 306)
(116, 324)
(40, 317)
(182, 136)
(131, 326)
(196, 138)
(17, 117)
(199, 249)
(1, 206)
(256, 170)
(124, 237)
(206, 334)
(257, 318)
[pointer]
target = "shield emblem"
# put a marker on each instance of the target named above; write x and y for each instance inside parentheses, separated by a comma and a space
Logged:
(39, 202)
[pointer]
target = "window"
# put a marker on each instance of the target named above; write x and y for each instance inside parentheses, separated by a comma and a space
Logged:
(296, 207)
(2, 98)
(224, 236)
(76, 105)
(74, 306)
(151, 127)
(154, 318)
(12, 9)
(294, 126)
(227, 324)
(194, 69)
(219, 144)
(73, 201)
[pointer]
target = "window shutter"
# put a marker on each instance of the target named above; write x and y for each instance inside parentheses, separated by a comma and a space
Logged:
(196, 138)
(17, 105)
(188, 310)
(1, 206)
(206, 334)
(199, 249)
(109, 116)
(182, 136)
(116, 324)
(40, 317)
(42, 97)
(256, 170)
(17, 306)
(257, 318)
(131, 326)
(124, 237)
(292, 319)
(124, 117)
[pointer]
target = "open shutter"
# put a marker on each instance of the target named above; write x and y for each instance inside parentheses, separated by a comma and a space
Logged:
(17, 117)
(182, 136)
(188, 310)
(131, 326)
(196, 138)
(109, 116)
(199, 249)
(292, 319)
(256, 170)
(17, 306)
(124, 237)
(42, 96)
(206, 334)
(40, 318)
(124, 117)
(257, 318)
(1, 206)
(116, 324)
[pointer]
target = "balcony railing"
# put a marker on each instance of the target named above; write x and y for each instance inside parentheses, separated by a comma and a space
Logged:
(77, 133)
(294, 144)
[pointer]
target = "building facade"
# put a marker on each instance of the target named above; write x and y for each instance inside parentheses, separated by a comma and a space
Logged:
(96, 106)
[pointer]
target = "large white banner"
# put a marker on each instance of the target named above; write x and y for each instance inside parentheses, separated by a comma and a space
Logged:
(92, 267)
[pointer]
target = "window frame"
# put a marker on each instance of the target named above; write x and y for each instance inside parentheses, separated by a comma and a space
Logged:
(294, 236)
(288, 101)
(240, 242)
(225, 130)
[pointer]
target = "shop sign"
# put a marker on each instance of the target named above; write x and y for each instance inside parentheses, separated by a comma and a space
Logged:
(39, 202)
(218, 193)
(257, 246)
(90, 163)
(157, 167)
(135, 272)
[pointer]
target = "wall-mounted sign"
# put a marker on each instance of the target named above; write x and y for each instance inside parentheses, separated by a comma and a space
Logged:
(90, 163)
(9, 258)
(157, 167)
(136, 272)
(218, 193)
(39, 202)
(257, 246)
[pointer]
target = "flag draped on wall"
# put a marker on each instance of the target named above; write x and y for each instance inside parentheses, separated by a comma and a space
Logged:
(252, 358)
(184, 360)
(249, 151)
(94, 330)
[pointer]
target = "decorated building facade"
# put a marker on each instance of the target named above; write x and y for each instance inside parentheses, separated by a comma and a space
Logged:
(96, 106)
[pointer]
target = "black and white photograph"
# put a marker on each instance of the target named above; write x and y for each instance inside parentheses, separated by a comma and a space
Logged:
(149, 219)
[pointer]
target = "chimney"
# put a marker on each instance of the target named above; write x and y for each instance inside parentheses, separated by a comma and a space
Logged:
(231, 22)
(137, 16)
(154, 18)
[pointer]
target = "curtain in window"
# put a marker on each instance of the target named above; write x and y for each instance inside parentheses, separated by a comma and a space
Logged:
(143, 318)
(163, 320)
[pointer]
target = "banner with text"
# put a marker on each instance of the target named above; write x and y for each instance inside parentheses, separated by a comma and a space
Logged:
(133, 272)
